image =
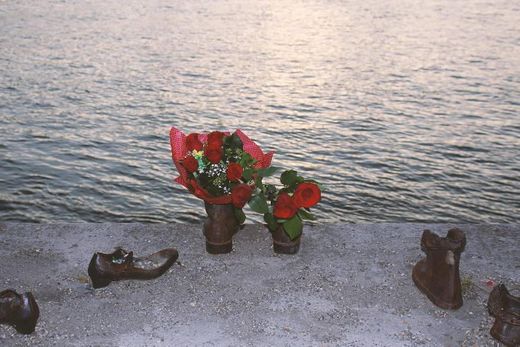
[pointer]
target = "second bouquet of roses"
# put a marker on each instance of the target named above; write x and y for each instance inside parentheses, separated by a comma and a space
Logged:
(286, 208)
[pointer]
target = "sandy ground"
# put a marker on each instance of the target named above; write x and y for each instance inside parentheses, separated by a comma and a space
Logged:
(350, 285)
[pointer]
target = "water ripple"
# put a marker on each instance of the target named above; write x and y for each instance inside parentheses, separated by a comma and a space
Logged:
(405, 111)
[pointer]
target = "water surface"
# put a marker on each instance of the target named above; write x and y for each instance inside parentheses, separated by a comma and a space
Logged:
(405, 110)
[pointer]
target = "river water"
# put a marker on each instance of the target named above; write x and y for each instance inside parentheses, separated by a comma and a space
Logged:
(404, 110)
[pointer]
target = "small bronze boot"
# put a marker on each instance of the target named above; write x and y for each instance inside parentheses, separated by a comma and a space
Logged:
(283, 244)
(506, 310)
(437, 275)
(19, 311)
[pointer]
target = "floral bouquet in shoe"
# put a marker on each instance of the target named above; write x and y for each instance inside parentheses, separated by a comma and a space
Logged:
(286, 208)
(219, 168)
(222, 169)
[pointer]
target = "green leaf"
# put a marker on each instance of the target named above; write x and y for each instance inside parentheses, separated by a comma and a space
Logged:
(240, 215)
(269, 171)
(233, 141)
(259, 184)
(289, 177)
(271, 221)
(259, 204)
(248, 174)
(304, 214)
(246, 159)
(237, 142)
(293, 227)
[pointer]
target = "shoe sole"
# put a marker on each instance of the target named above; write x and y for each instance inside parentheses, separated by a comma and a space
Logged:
(217, 248)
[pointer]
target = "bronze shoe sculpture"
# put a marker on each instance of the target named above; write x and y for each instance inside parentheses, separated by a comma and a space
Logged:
(219, 228)
(437, 275)
(506, 310)
(121, 265)
(19, 310)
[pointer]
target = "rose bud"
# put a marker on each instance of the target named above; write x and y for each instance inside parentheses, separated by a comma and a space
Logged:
(284, 207)
(193, 142)
(190, 164)
(240, 195)
(234, 171)
(214, 153)
(307, 194)
(215, 138)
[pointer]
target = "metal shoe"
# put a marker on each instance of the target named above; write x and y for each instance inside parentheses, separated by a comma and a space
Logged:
(19, 310)
(506, 310)
(121, 265)
(437, 275)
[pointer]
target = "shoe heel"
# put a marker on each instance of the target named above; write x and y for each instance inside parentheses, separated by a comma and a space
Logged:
(286, 249)
(219, 249)
(25, 328)
(100, 282)
(27, 323)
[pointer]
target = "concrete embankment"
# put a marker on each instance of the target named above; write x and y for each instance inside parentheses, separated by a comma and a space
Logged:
(350, 285)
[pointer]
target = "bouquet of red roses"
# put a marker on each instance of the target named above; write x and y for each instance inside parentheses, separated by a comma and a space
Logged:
(288, 206)
(218, 167)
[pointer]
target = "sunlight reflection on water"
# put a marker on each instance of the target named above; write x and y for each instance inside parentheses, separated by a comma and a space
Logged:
(405, 111)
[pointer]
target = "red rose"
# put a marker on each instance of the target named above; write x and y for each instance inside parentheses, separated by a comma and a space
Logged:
(240, 194)
(307, 195)
(190, 164)
(284, 207)
(214, 153)
(193, 142)
(215, 138)
(234, 171)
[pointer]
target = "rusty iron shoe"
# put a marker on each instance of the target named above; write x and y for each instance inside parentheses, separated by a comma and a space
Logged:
(121, 265)
(506, 310)
(219, 228)
(437, 275)
(19, 310)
